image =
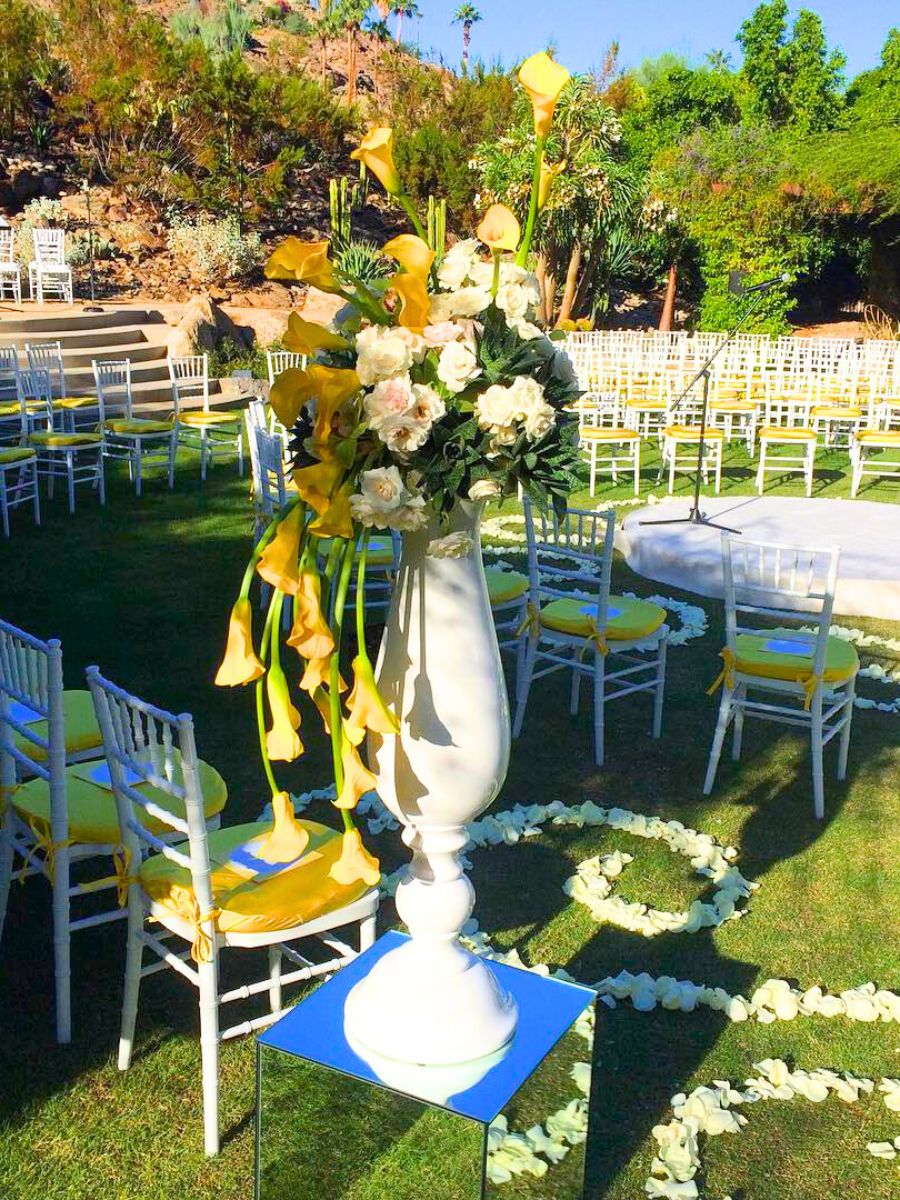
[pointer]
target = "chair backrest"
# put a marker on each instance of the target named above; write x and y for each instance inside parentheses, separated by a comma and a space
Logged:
(49, 247)
(9, 372)
(788, 583)
(282, 360)
(35, 385)
(7, 244)
(568, 551)
(189, 376)
(47, 356)
(31, 692)
(143, 743)
(272, 493)
(112, 376)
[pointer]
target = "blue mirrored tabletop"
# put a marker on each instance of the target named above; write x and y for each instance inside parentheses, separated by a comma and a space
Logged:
(548, 1008)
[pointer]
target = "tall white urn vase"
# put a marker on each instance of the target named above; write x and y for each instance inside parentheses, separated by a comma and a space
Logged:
(431, 1001)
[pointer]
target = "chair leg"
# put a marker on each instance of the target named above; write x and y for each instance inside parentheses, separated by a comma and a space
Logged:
(660, 689)
(575, 693)
(4, 505)
(847, 716)
(6, 862)
(817, 756)
(523, 684)
(521, 648)
(275, 978)
(761, 473)
(172, 447)
(209, 1053)
(36, 501)
(138, 457)
(599, 704)
(718, 739)
(203, 454)
(70, 480)
(62, 967)
(134, 954)
(637, 469)
(738, 732)
(367, 930)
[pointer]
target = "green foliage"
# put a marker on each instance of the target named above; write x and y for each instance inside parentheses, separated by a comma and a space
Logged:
(38, 214)
(223, 31)
(213, 250)
(362, 259)
(22, 47)
(874, 97)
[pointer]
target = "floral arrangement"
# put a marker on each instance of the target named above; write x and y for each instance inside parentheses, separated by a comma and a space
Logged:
(429, 387)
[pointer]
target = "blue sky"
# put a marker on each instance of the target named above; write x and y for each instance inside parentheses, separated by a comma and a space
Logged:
(582, 29)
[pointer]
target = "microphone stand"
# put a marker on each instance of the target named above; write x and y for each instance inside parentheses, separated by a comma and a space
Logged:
(695, 516)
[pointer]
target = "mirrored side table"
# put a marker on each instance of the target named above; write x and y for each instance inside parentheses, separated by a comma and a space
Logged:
(333, 1122)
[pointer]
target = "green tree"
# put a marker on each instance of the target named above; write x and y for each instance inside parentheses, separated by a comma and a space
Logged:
(816, 76)
(22, 45)
(763, 39)
(350, 15)
(466, 15)
(874, 97)
(401, 9)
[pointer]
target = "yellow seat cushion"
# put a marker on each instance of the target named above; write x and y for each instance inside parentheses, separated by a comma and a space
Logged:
(646, 403)
(593, 433)
(137, 425)
(505, 586)
(628, 619)
(92, 807)
(776, 433)
(691, 433)
(734, 405)
(10, 410)
(82, 730)
(752, 658)
(64, 441)
(836, 412)
(879, 437)
(76, 402)
(198, 417)
(15, 454)
(380, 553)
(278, 901)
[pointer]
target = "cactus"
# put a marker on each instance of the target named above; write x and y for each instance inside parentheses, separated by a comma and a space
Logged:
(343, 198)
(437, 226)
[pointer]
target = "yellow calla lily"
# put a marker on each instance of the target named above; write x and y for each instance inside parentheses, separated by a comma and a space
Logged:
(306, 262)
(315, 675)
(415, 303)
(376, 150)
(288, 394)
(315, 484)
(336, 521)
(287, 839)
(412, 253)
(310, 635)
(545, 184)
(306, 337)
(278, 563)
(499, 229)
(543, 80)
(332, 387)
(355, 862)
(282, 742)
(358, 779)
(367, 710)
(240, 664)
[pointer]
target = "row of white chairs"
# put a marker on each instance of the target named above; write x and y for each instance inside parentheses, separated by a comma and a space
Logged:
(49, 275)
(105, 782)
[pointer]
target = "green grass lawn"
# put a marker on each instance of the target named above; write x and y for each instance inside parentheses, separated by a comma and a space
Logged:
(144, 589)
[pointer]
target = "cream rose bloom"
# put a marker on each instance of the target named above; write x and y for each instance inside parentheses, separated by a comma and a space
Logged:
(537, 416)
(385, 501)
(389, 398)
(418, 346)
(381, 354)
(457, 263)
(495, 407)
(513, 299)
(454, 545)
(457, 366)
(466, 302)
(404, 433)
(441, 333)
(484, 489)
(526, 331)
(427, 406)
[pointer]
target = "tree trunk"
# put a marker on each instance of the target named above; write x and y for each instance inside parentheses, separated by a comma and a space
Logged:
(583, 295)
(668, 309)
(467, 37)
(324, 61)
(568, 296)
(399, 26)
(549, 295)
(351, 66)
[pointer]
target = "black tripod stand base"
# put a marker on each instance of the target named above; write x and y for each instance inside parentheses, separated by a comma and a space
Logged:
(695, 517)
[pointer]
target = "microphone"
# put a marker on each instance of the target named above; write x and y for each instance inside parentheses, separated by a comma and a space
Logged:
(737, 287)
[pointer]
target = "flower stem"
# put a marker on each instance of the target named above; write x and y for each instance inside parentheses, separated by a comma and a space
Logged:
(411, 213)
(272, 618)
(495, 279)
(334, 671)
(361, 595)
(522, 256)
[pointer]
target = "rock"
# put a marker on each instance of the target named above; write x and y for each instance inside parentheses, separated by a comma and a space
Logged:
(266, 325)
(202, 327)
(364, 82)
(26, 184)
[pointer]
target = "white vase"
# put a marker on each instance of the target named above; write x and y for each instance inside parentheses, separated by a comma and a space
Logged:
(431, 1001)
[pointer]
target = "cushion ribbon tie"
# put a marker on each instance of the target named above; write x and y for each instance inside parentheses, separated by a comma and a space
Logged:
(6, 794)
(46, 845)
(726, 675)
(201, 950)
(598, 637)
(532, 623)
(809, 689)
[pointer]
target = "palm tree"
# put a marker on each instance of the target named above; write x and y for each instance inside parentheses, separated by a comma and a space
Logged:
(401, 9)
(466, 15)
(350, 13)
(328, 27)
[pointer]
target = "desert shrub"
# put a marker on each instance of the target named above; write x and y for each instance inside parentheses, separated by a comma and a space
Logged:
(38, 214)
(79, 251)
(363, 259)
(213, 250)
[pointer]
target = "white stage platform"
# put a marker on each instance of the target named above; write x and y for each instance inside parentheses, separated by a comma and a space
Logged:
(689, 557)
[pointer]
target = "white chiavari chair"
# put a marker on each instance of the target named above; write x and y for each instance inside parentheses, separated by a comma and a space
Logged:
(572, 618)
(49, 274)
(214, 890)
(75, 457)
(282, 360)
(139, 440)
(10, 271)
(212, 432)
(681, 440)
(79, 413)
(812, 676)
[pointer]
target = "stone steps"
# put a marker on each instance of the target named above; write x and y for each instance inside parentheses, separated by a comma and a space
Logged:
(107, 339)
(49, 326)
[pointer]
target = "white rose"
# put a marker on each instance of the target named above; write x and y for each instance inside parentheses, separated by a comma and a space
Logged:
(457, 366)
(454, 545)
(381, 354)
(513, 299)
(467, 302)
(418, 347)
(389, 398)
(441, 333)
(427, 406)
(385, 501)
(455, 265)
(383, 489)
(495, 407)
(531, 408)
(526, 331)
(484, 489)
(404, 434)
